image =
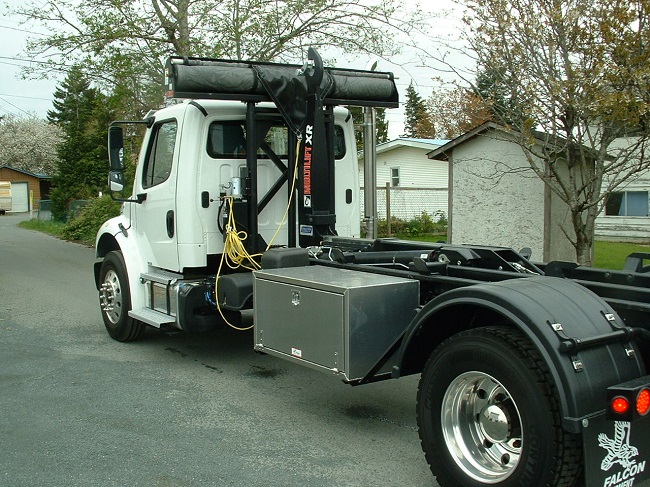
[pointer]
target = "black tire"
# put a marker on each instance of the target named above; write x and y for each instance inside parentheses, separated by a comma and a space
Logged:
(115, 299)
(488, 414)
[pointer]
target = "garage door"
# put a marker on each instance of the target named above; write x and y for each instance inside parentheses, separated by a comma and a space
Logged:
(19, 197)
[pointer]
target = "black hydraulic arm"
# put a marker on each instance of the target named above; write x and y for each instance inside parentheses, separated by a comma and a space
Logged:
(316, 216)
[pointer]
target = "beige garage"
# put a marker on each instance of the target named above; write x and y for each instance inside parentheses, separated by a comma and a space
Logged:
(22, 182)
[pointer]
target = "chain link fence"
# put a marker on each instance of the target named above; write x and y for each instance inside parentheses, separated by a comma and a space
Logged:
(408, 203)
(45, 209)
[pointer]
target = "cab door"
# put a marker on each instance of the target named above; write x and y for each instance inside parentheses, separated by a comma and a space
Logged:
(155, 220)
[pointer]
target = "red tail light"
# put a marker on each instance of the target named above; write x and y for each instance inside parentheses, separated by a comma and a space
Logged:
(620, 405)
(643, 402)
(630, 400)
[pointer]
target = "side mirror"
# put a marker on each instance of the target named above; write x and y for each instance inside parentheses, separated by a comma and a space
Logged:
(116, 176)
(116, 180)
(116, 148)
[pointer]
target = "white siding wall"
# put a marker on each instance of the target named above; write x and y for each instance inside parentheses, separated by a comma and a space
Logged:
(622, 228)
(630, 228)
(423, 183)
(416, 169)
(504, 211)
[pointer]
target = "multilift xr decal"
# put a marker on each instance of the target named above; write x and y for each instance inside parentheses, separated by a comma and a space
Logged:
(307, 166)
(620, 451)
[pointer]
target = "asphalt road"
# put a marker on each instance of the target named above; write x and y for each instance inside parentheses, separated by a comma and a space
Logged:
(79, 409)
(173, 409)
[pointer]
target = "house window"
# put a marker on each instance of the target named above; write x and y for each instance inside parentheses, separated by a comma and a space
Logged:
(394, 177)
(627, 203)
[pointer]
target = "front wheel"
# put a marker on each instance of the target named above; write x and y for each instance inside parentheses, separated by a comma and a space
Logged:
(488, 414)
(115, 299)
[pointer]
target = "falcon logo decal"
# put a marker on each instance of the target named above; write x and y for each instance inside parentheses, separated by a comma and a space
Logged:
(619, 449)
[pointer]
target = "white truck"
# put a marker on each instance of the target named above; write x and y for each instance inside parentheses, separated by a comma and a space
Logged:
(5, 197)
(246, 196)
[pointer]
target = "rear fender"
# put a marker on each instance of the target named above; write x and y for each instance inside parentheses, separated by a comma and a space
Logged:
(558, 316)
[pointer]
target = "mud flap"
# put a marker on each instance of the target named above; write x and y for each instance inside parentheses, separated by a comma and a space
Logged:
(617, 453)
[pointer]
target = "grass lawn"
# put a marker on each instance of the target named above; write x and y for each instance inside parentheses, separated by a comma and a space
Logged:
(611, 255)
(46, 226)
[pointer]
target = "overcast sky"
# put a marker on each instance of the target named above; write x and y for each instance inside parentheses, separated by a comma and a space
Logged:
(21, 97)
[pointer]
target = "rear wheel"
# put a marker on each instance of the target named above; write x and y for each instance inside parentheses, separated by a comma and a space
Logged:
(488, 414)
(115, 299)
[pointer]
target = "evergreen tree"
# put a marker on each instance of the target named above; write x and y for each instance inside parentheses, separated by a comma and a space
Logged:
(418, 123)
(83, 114)
(381, 125)
(502, 96)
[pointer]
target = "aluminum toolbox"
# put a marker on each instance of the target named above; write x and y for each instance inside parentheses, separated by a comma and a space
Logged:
(329, 318)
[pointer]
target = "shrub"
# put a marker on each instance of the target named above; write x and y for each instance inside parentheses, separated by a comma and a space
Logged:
(424, 224)
(83, 227)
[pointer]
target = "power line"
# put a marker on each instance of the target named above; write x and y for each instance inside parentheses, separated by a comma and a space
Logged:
(12, 64)
(21, 30)
(24, 60)
(7, 112)
(28, 97)
(16, 107)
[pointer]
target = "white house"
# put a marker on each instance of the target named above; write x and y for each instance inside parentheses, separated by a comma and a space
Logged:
(626, 216)
(415, 182)
(496, 199)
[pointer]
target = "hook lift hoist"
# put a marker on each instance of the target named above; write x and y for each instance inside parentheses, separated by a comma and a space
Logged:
(246, 195)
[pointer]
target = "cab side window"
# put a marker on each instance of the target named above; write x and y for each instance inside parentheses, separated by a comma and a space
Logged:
(158, 165)
(227, 140)
(339, 142)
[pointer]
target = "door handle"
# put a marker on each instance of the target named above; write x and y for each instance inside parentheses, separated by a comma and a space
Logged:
(170, 223)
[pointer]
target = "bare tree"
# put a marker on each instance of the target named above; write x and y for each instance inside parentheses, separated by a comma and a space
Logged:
(575, 74)
(124, 43)
(457, 110)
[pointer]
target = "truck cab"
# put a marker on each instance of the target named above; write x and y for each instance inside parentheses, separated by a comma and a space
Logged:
(194, 154)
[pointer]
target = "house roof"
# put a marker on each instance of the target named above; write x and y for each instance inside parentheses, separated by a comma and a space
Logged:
(426, 144)
(442, 153)
(27, 173)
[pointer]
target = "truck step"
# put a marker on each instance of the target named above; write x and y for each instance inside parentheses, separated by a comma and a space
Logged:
(151, 317)
(160, 276)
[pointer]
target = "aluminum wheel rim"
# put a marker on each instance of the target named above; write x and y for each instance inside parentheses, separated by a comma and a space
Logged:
(110, 297)
(481, 426)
